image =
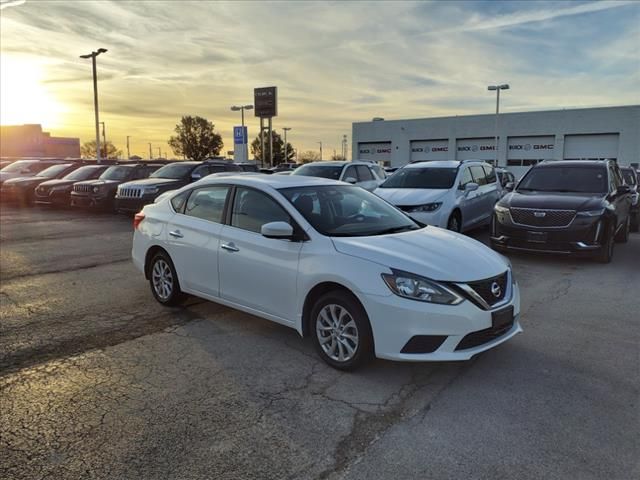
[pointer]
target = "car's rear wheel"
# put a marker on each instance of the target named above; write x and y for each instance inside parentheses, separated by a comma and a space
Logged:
(341, 331)
(635, 222)
(164, 280)
(606, 251)
(623, 234)
(455, 222)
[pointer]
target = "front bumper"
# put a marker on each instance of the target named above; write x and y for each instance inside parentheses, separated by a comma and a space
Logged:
(395, 321)
(437, 218)
(133, 204)
(58, 198)
(90, 201)
(581, 236)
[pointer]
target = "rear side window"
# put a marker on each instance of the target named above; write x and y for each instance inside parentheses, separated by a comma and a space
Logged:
(364, 174)
(490, 173)
(478, 175)
(350, 172)
(178, 202)
(252, 209)
(207, 203)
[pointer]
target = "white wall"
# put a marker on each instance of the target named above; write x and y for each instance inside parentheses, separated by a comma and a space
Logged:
(557, 125)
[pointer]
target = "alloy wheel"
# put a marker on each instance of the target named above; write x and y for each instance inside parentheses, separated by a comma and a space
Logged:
(162, 279)
(337, 333)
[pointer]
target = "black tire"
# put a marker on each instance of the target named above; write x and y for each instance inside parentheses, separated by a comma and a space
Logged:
(455, 222)
(163, 280)
(339, 340)
(623, 234)
(605, 255)
(635, 222)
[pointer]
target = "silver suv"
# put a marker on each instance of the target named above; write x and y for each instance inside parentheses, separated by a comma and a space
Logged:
(362, 174)
(449, 194)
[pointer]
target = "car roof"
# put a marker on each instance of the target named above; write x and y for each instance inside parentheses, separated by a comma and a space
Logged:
(273, 181)
(436, 164)
(572, 163)
(337, 163)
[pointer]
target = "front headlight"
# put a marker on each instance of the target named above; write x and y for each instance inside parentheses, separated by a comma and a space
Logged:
(500, 209)
(427, 207)
(591, 213)
(96, 189)
(414, 287)
(149, 190)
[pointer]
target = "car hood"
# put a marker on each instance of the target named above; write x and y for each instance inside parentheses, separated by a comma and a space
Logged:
(24, 181)
(4, 176)
(98, 182)
(551, 200)
(57, 183)
(410, 196)
(153, 182)
(431, 252)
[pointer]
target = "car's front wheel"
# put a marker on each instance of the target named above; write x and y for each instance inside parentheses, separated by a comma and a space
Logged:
(341, 331)
(606, 250)
(623, 234)
(164, 280)
(455, 222)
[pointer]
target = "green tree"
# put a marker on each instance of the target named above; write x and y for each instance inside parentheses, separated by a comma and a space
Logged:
(88, 150)
(195, 139)
(278, 149)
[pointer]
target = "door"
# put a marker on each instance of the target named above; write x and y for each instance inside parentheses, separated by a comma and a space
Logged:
(485, 193)
(470, 203)
(366, 178)
(255, 271)
(621, 202)
(193, 238)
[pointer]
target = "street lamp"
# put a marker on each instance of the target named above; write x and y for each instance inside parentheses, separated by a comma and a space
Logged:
(320, 150)
(497, 88)
(128, 153)
(150, 152)
(286, 129)
(104, 139)
(93, 56)
(242, 108)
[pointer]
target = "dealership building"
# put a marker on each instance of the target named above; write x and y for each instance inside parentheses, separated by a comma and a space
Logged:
(524, 138)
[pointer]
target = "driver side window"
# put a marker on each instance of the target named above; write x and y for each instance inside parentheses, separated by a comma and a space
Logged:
(350, 172)
(465, 178)
(252, 209)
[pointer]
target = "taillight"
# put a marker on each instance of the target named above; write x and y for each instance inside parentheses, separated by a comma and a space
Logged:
(137, 219)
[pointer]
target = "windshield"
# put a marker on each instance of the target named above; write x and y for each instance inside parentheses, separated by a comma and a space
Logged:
(347, 211)
(324, 171)
(54, 171)
(173, 170)
(436, 178)
(119, 172)
(24, 166)
(628, 176)
(83, 173)
(578, 179)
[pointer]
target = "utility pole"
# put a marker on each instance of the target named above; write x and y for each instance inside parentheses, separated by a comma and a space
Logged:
(128, 151)
(286, 129)
(104, 139)
(320, 150)
(150, 152)
(93, 56)
(159, 154)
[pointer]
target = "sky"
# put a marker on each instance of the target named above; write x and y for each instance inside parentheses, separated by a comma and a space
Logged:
(334, 63)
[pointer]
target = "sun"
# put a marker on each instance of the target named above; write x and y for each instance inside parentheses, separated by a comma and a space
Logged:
(23, 97)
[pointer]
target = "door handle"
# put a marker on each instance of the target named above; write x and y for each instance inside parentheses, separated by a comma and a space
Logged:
(176, 234)
(230, 247)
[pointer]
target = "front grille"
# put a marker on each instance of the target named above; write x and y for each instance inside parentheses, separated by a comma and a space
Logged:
(82, 188)
(532, 217)
(483, 336)
(130, 192)
(487, 288)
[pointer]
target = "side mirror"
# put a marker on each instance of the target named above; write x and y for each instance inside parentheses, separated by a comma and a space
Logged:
(470, 187)
(277, 230)
(196, 176)
(350, 180)
(509, 186)
(622, 189)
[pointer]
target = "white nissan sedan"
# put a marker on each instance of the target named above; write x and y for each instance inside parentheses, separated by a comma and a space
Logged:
(331, 260)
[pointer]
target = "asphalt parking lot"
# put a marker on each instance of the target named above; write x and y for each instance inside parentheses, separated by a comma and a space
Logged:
(98, 381)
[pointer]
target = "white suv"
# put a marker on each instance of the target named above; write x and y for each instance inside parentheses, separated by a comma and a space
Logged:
(362, 174)
(449, 194)
(332, 261)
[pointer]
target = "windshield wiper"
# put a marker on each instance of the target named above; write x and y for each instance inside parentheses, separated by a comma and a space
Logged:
(402, 228)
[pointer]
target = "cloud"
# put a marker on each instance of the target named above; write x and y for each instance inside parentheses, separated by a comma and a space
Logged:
(10, 3)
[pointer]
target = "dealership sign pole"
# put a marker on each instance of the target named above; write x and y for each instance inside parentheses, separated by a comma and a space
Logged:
(266, 107)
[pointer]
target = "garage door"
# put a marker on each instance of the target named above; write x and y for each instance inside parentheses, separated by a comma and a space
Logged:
(378, 152)
(476, 148)
(578, 147)
(526, 151)
(429, 150)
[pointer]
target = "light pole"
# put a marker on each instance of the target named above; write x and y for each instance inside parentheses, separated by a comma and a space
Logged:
(150, 152)
(497, 88)
(286, 129)
(104, 140)
(128, 152)
(242, 108)
(93, 56)
(320, 150)
(159, 154)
